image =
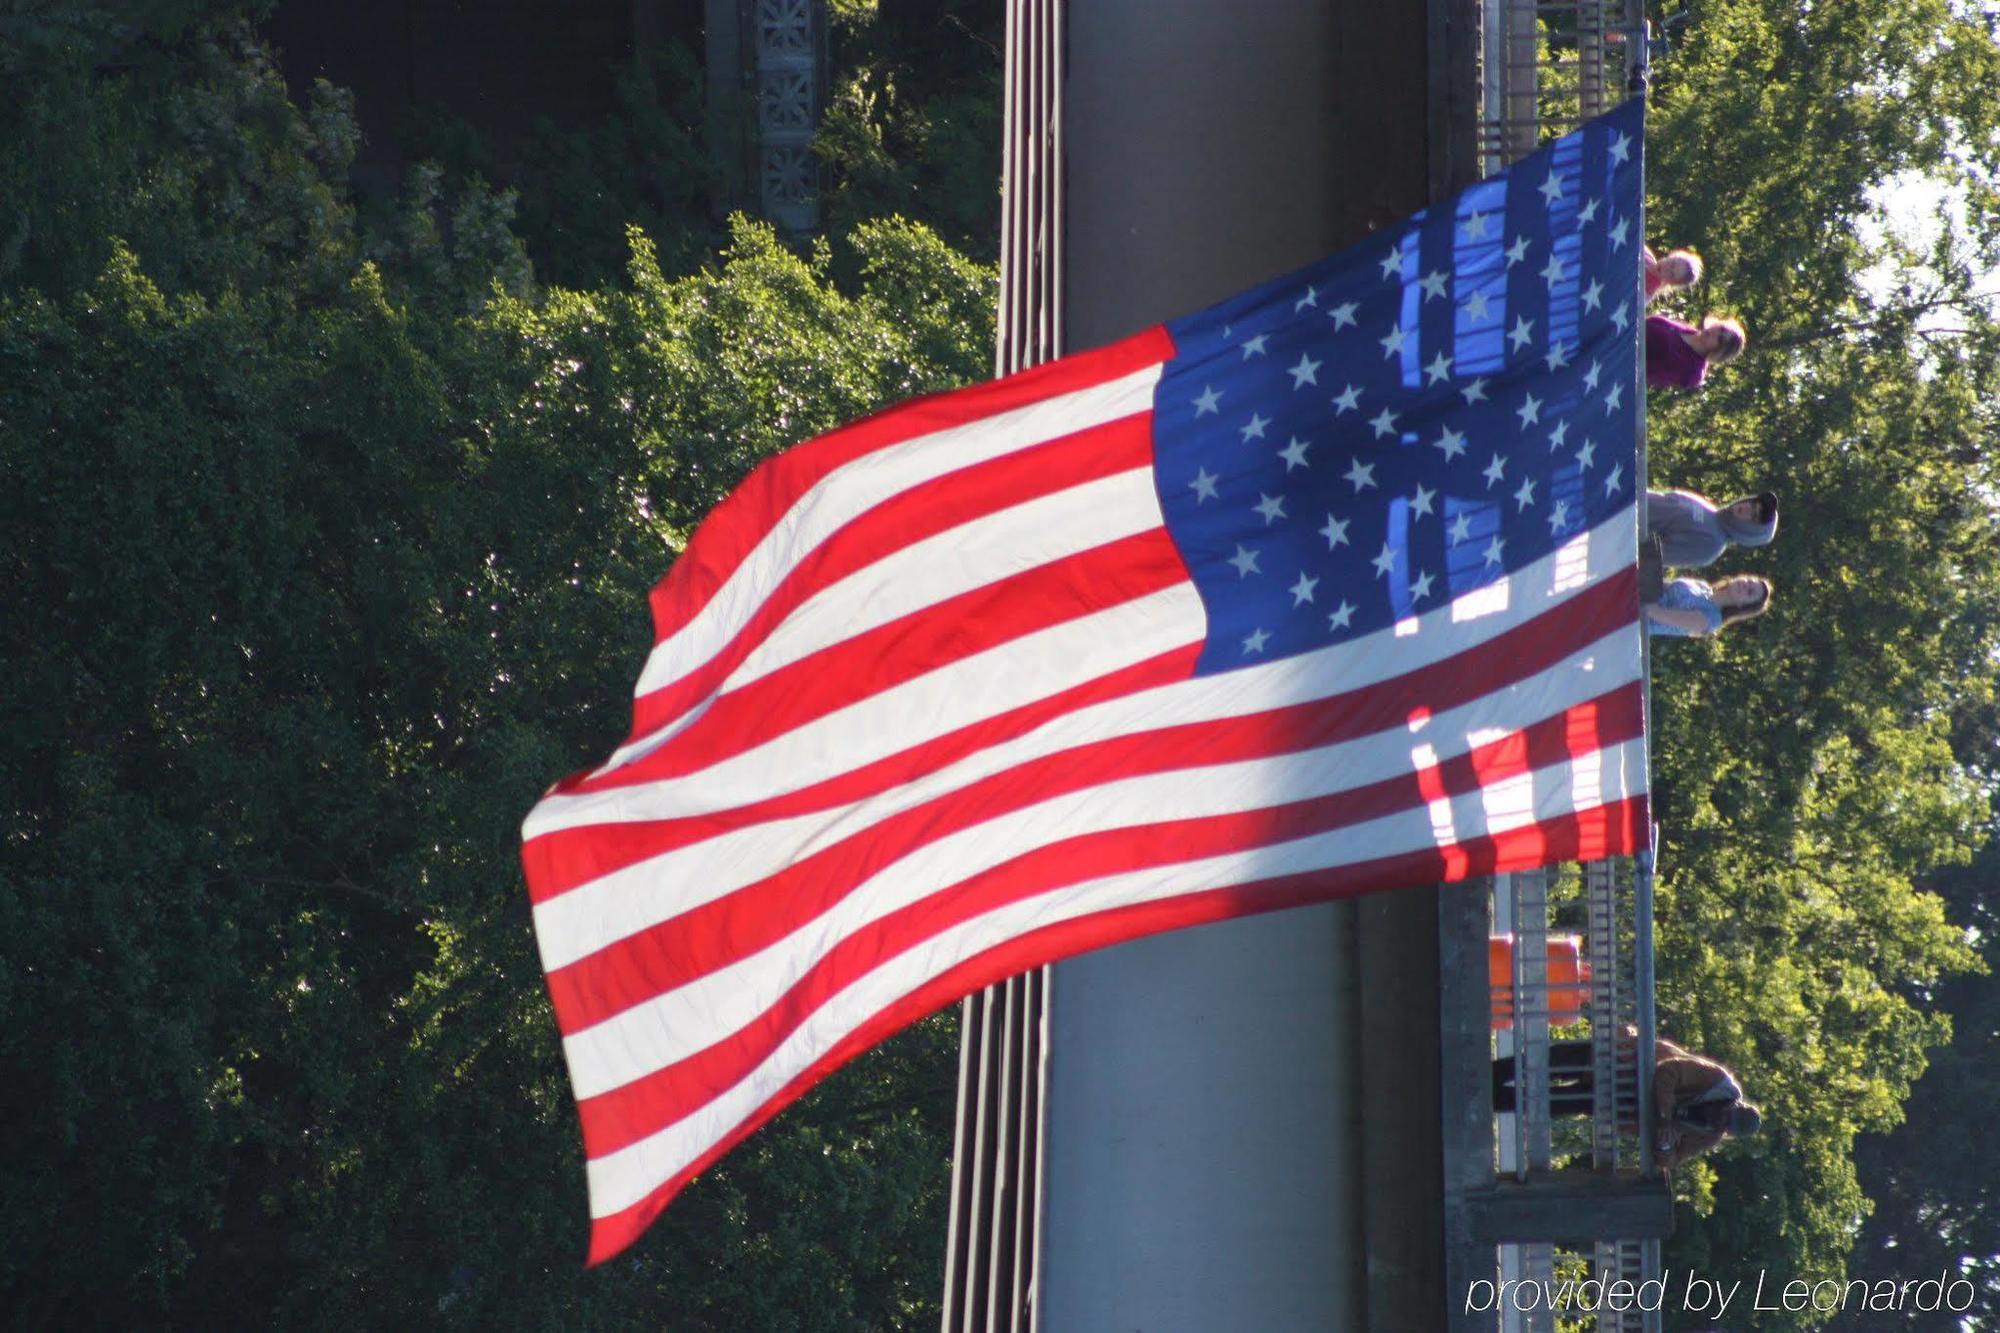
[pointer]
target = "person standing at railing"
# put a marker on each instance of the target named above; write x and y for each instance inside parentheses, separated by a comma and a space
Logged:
(1693, 609)
(1678, 354)
(1675, 271)
(1697, 1102)
(1694, 530)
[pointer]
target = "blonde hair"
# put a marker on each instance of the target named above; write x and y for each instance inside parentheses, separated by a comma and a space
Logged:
(1733, 345)
(1694, 264)
(1732, 614)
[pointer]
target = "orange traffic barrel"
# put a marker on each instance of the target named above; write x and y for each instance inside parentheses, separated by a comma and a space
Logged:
(1569, 979)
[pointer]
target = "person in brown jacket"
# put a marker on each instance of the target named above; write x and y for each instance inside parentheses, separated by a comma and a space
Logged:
(1696, 1104)
(1696, 1101)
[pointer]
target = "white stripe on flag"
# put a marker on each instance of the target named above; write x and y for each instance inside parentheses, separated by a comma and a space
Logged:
(858, 486)
(709, 1009)
(621, 1179)
(963, 692)
(1439, 633)
(958, 560)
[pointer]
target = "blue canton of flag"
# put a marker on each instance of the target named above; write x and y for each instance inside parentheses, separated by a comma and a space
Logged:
(1412, 419)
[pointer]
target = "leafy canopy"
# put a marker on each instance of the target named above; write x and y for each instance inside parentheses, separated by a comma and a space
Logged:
(1817, 771)
(327, 549)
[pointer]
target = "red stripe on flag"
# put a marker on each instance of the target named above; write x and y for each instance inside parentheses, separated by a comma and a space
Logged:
(919, 643)
(557, 862)
(560, 861)
(1612, 830)
(720, 931)
(733, 529)
(921, 512)
(615, 1119)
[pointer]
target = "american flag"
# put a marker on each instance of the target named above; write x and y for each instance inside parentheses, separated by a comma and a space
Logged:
(1327, 589)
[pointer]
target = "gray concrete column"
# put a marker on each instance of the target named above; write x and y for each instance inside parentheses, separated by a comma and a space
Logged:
(1204, 1138)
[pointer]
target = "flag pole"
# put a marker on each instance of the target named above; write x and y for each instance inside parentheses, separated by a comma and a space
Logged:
(1637, 85)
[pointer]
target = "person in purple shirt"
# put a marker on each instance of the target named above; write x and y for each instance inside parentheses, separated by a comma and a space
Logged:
(1692, 609)
(1678, 355)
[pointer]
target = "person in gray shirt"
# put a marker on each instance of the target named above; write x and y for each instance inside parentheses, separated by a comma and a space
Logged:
(1693, 530)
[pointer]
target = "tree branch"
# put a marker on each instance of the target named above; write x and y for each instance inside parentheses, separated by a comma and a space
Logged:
(1891, 316)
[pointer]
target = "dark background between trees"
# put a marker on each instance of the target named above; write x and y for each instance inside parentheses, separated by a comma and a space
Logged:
(356, 380)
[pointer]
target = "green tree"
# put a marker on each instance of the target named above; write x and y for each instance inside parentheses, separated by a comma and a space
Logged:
(911, 128)
(913, 123)
(1811, 771)
(327, 550)
(645, 162)
(1934, 1186)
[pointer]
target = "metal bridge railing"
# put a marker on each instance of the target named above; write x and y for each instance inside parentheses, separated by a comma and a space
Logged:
(1545, 69)
(1596, 920)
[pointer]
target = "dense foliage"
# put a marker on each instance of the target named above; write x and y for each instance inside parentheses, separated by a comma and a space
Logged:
(326, 550)
(1933, 1184)
(1822, 770)
(911, 127)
